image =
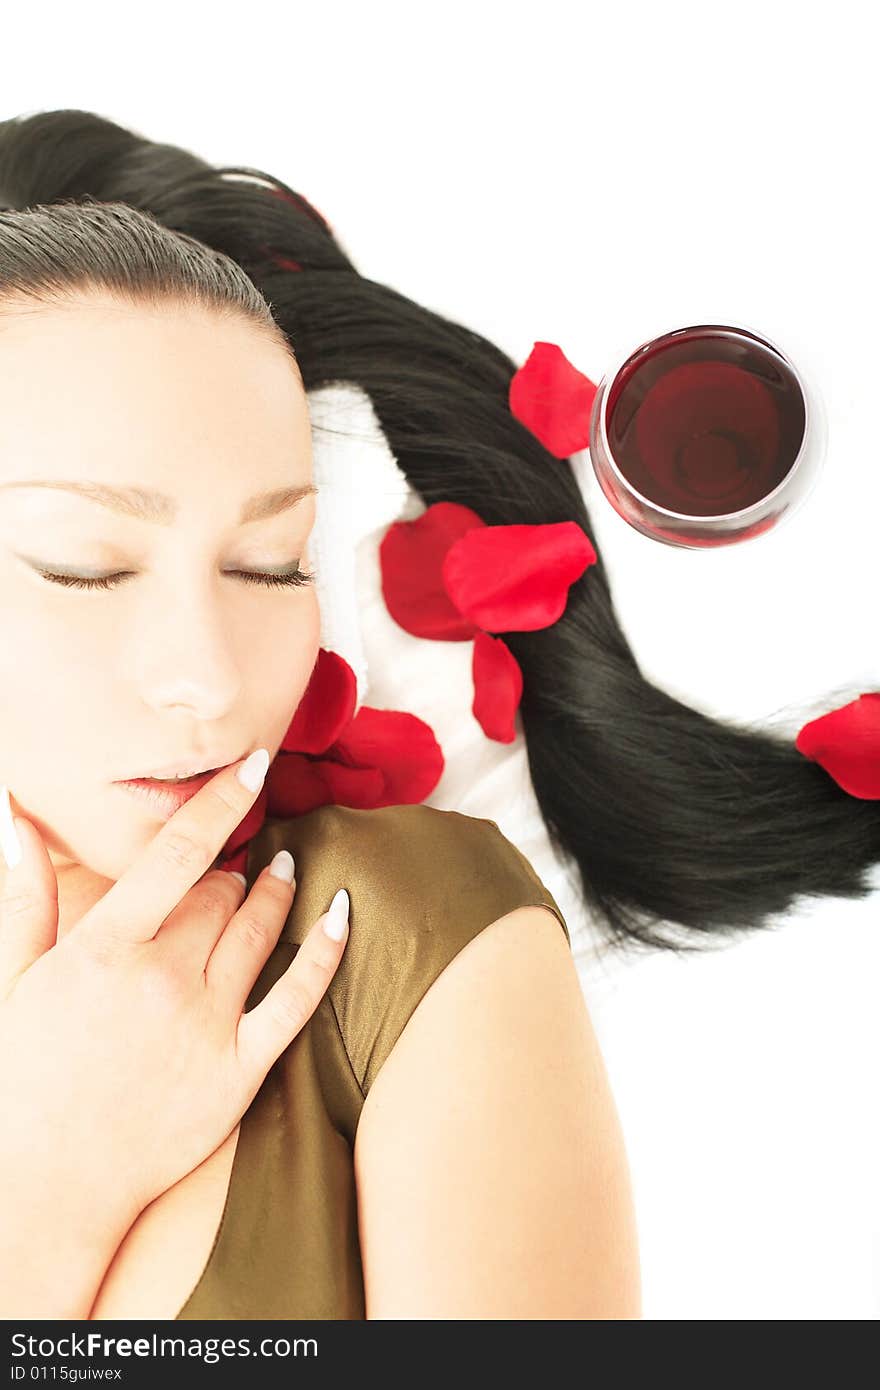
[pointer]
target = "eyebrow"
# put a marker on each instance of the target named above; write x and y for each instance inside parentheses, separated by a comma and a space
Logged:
(146, 505)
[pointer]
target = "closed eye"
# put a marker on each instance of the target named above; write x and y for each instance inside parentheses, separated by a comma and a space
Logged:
(111, 581)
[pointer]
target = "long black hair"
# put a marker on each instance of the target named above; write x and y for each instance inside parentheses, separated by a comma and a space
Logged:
(682, 826)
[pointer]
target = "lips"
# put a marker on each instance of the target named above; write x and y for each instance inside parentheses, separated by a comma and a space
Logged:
(192, 767)
(185, 783)
(177, 780)
(164, 798)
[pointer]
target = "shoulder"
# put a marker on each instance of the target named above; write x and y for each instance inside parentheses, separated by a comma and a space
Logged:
(489, 1158)
(423, 882)
(414, 843)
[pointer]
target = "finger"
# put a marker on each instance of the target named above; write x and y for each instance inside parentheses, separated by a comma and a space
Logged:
(242, 949)
(265, 1031)
(197, 923)
(29, 902)
(137, 904)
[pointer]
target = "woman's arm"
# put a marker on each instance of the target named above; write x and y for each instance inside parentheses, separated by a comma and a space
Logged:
(490, 1164)
(57, 1240)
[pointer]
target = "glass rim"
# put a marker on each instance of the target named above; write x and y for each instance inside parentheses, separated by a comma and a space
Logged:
(704, 519)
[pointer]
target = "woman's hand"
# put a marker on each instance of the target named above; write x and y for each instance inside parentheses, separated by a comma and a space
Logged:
(125, 1057)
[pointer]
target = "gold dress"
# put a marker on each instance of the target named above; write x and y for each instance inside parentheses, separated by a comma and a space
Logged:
(422, 883)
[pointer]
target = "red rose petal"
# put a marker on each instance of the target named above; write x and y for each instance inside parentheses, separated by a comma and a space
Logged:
(401, 745)
(516, 578)
(498, 686)
(301, 784)
(326, 707)
(411, 557)
(553, 399)
(382, 758)
(846, 743)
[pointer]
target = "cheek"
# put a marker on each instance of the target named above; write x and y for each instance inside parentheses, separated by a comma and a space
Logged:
(50, 694)
(56, 631)
(308, 640)
(291, 661)
(46, 673)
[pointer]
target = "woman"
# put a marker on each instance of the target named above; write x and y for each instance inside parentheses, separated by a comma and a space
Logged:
(434, 1136)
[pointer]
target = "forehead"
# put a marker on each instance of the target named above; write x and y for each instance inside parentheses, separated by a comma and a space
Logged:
(148, 389)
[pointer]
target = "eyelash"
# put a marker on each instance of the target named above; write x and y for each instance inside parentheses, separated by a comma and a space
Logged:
(112, 581)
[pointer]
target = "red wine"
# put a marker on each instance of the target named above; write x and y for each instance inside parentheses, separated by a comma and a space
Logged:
(705, 420)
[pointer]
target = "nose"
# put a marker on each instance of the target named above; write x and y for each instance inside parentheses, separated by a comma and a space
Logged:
(190, 659)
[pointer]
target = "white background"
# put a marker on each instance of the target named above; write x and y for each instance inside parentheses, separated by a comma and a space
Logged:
(578, 174)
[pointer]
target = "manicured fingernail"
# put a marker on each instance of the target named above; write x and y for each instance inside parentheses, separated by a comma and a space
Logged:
(282, 866)
(9, 841)
(233, 873)
(252, 773)
(336, 920)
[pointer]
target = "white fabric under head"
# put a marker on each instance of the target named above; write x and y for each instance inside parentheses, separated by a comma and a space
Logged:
(362, 491)
(361, 488)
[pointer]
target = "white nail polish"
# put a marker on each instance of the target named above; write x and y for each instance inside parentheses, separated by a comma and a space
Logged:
(252, 772)
(337, 916)
(9, 841)
(282, 866)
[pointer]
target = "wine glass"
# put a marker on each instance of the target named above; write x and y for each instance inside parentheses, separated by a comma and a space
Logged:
(706, 435)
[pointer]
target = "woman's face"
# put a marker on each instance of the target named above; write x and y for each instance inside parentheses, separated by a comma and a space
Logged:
(184, 661)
